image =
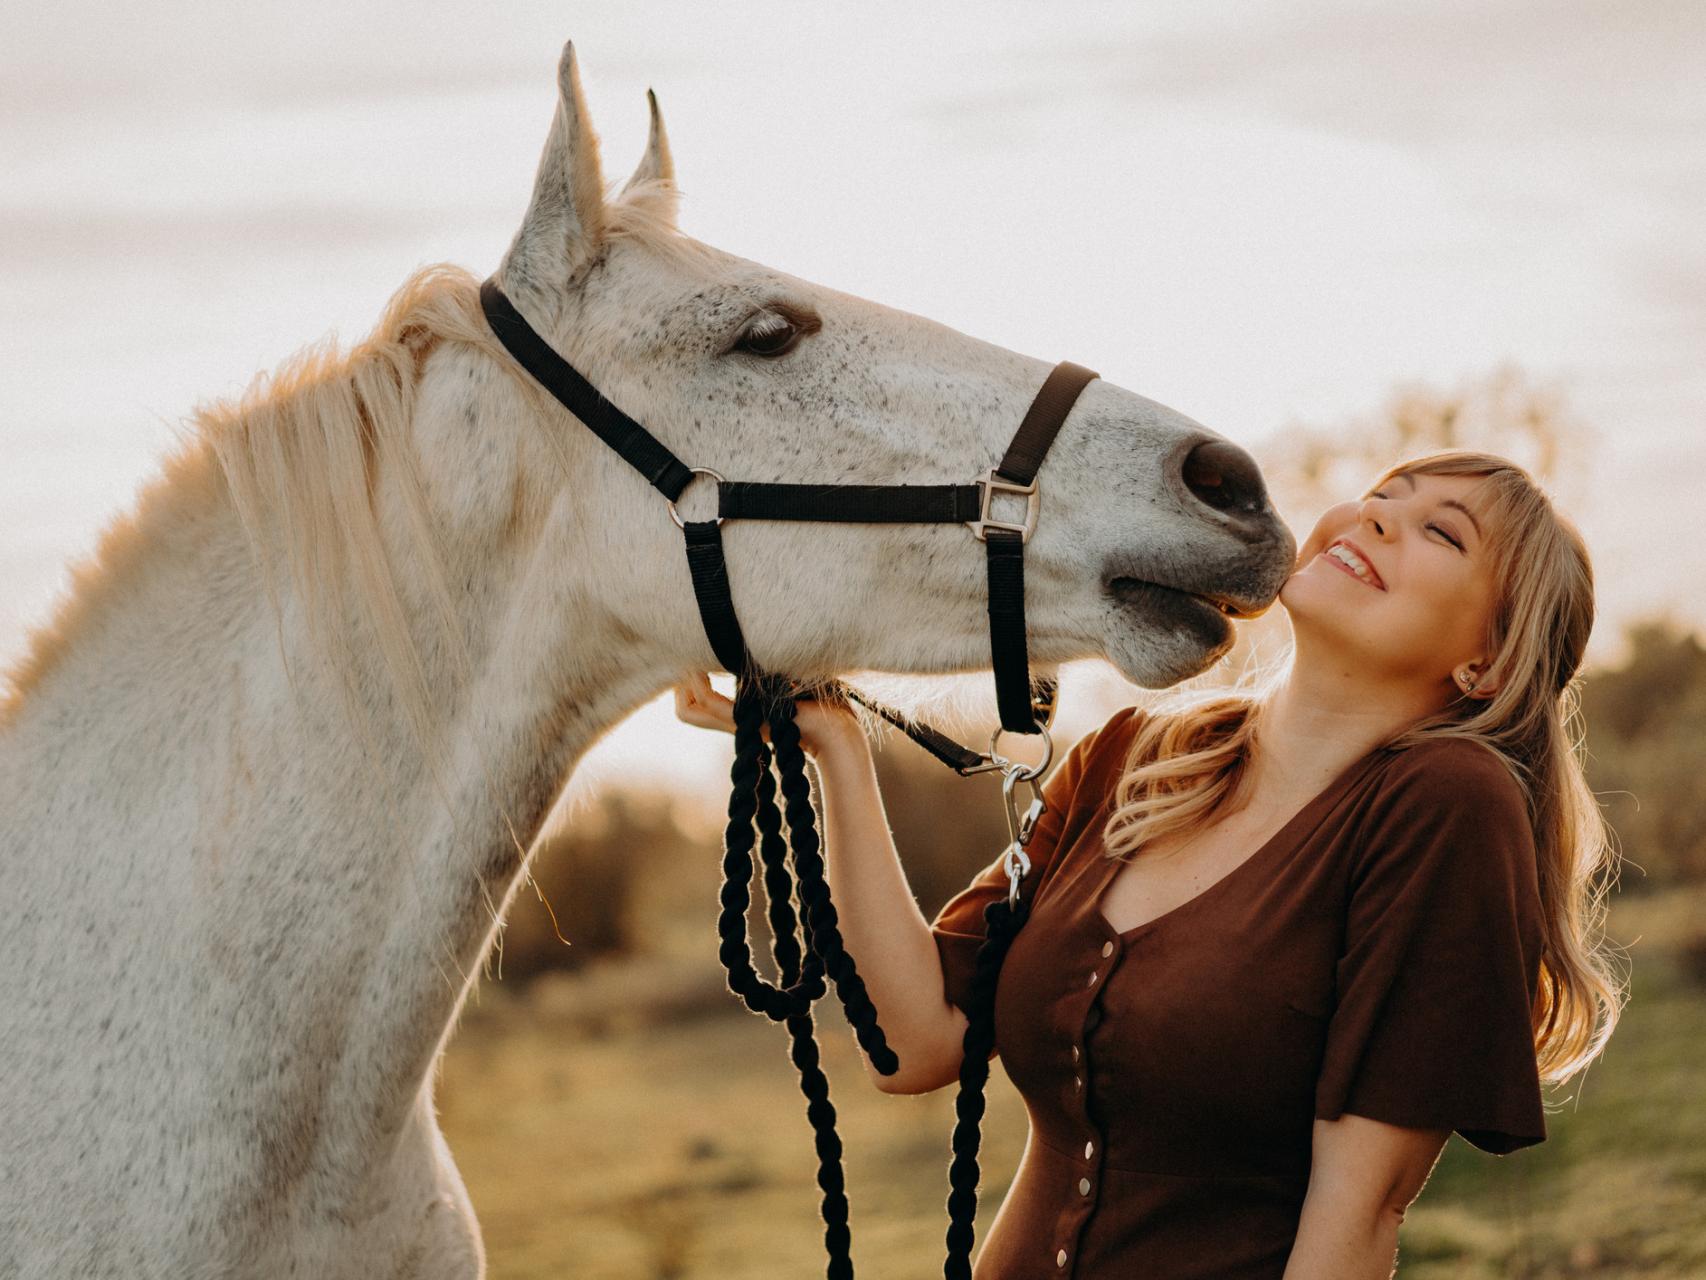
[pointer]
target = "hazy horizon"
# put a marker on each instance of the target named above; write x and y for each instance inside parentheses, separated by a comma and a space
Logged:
(1259, 215)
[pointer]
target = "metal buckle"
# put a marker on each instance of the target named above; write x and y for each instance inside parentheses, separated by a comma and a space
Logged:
(1018, 768)
(698, 471)
(993, 484)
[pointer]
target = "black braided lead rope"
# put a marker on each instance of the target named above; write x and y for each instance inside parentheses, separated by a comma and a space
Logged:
(1002, 924)
(735, 950)
(802, 1038)
(800, 971)
(822, 923)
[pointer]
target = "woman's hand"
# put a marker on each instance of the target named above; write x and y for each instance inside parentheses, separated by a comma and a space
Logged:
(822, 724)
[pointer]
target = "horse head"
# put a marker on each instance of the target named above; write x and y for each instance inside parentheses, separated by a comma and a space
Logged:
(1153, 528)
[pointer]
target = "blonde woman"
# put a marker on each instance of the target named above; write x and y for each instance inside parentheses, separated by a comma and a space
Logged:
(1283, 941)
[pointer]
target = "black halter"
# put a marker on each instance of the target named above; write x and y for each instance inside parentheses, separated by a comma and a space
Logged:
(766, 697)
(1022, 708)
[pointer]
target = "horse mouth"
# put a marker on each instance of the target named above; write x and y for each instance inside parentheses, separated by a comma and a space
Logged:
(1205, 618)
(1142, 594)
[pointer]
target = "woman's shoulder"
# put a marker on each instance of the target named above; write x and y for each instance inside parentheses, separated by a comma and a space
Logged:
(1108, 745)
(1094, 761)
(1122, 726)
(1447, 798)
(1450, 769)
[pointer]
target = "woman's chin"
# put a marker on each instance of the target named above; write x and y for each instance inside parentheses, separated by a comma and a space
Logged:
(1308, 604)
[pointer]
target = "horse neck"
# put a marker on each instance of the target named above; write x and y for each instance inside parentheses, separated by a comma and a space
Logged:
(254, 894)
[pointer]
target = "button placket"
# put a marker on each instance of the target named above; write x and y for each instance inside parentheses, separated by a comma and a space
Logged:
(1082, 1191)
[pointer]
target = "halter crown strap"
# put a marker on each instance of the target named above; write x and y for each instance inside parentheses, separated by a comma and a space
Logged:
(642, 450)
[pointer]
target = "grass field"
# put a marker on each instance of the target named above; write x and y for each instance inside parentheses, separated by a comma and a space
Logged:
(633, 1123)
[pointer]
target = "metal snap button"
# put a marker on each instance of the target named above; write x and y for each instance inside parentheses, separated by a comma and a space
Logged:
(1075, 1053)
(1107, 948)
(1083, 1186)
(1093, 978)
(1060, 1258)
(1089, 1149)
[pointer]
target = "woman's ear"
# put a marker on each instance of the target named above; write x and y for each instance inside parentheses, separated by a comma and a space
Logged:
(1473, 681)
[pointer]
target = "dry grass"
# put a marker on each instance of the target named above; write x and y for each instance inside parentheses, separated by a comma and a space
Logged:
(633, 1122)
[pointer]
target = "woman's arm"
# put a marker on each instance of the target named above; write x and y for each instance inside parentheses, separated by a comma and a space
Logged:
(881, 924)
(1363, 1175)
(879, 920)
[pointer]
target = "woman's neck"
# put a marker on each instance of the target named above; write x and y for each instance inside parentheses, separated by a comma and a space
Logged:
(1322, 717)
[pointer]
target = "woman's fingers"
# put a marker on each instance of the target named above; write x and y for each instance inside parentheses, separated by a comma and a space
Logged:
(697, 703)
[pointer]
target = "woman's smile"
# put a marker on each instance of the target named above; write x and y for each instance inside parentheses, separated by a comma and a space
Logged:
(1342, 552)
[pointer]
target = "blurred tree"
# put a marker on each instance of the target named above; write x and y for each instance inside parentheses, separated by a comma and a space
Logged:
(1310, 467)
(1646, 740)
(597, 881)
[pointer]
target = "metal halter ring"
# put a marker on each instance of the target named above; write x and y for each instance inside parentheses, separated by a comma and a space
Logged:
(698, 471)
(1023, 770)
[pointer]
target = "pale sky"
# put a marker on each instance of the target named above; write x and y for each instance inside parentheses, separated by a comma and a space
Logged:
(1257, 213)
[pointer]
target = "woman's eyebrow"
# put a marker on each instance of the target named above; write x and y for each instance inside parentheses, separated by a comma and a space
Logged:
(1453, 502)
(1448, 502)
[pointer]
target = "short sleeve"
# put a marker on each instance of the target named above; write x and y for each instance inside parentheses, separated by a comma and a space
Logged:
(1435, 984)
(958, 927)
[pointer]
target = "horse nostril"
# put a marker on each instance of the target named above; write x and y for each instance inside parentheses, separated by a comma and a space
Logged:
(1225, 477)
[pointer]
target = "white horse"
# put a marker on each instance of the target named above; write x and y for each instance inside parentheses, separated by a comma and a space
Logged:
(273, 769)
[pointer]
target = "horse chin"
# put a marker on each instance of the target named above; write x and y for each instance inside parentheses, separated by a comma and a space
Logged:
(1157, 636)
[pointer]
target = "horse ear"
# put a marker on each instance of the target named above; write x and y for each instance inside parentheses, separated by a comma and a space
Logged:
(656, 165)
(564, 222)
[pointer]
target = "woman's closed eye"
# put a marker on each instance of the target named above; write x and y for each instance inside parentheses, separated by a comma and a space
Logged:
(1437, 528)
(1446, 535)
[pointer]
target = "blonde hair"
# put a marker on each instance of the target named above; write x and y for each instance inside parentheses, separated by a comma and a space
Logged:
(1187, 761)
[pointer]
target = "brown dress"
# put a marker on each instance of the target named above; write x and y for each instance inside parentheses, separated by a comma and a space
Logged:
(1378, 956)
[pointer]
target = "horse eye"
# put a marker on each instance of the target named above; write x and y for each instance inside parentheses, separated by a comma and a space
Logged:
(769, 335)
(774, 330)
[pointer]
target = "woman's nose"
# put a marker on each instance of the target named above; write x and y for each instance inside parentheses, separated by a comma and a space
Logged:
(1372, 513)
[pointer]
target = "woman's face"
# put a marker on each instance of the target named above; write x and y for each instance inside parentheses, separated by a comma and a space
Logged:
(1419, 611)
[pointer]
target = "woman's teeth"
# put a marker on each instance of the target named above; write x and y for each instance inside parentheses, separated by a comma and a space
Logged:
(1352, 561)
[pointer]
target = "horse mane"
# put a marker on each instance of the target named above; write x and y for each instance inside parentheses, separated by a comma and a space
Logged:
(297, 455)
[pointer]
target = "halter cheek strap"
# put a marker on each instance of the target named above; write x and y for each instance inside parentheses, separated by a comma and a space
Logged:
(1023, 708)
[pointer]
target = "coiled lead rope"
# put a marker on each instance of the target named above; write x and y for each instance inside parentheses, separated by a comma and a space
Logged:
(801, 967)
(793, 867)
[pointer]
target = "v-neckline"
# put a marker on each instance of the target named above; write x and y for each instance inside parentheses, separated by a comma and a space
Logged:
(1312, 809)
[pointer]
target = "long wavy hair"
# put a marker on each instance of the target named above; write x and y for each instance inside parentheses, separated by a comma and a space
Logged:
(1188, 760)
